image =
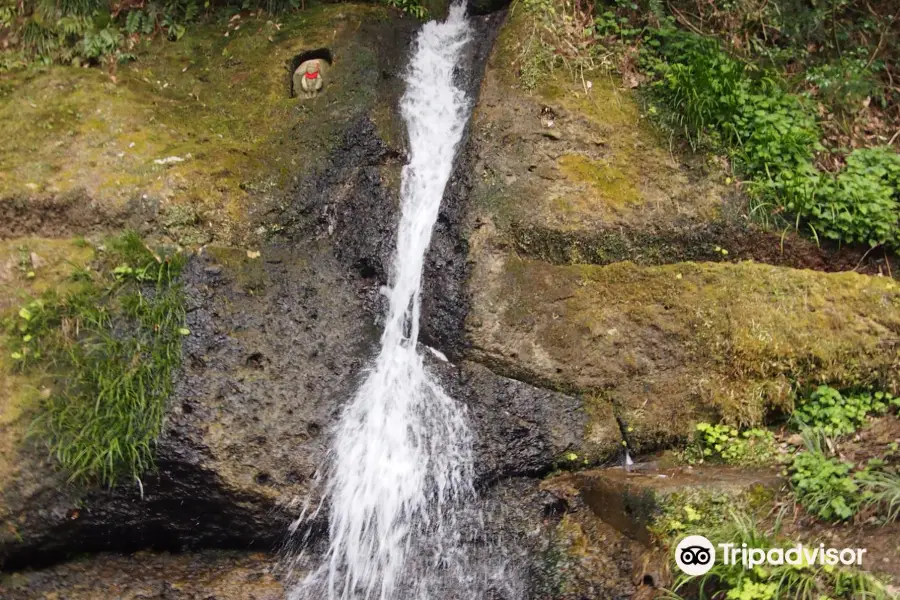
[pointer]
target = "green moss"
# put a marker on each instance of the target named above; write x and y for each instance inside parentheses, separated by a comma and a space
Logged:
(609, 181)
(605, 246)
(668, 344)
(220, 104)
(612, 168)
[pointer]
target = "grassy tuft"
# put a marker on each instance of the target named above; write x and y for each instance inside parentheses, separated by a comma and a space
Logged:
(111, 345)
(884, 493)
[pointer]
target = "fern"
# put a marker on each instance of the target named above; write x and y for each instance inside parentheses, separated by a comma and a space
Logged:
(78, 7)
(101, 43)
(38, 40)
(72, 25)
(134, 21)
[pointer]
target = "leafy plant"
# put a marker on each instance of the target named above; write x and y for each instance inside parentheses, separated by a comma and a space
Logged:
(772, 137)
(751, 446)
(836, 414)
(860, 204)
(410, 7)
(825, 486)
(845, 84)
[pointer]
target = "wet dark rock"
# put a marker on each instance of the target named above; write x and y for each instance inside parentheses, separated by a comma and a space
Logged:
(483, 7)
(278, 342)
(244, 405)
(551, 547)
(444, 297)
(348, 204)
(520, 430)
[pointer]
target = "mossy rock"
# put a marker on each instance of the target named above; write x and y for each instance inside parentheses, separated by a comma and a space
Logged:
(675, 344)
(575, 144)
(204, 126)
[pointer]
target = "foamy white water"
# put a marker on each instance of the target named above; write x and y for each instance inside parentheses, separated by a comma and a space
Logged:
(401, 465)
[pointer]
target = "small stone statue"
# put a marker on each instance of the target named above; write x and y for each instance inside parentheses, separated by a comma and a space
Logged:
(308, 78)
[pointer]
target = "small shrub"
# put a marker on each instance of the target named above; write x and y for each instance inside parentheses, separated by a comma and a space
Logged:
(772, 137)
(845, 84)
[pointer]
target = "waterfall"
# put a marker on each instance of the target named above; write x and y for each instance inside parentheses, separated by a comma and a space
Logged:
(401, 466)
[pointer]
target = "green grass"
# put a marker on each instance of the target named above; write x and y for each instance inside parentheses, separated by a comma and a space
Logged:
(111, 346)
(883, 493)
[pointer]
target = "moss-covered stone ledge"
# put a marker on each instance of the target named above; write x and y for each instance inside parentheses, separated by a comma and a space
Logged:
(670, 345)
(577, 147)
(200, 134)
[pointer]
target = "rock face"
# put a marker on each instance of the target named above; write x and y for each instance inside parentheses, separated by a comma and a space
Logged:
(671, 345)
(279, 337)
(577, 232)
(276, 344)
(565, 282)
(193, 139)
(219, 575)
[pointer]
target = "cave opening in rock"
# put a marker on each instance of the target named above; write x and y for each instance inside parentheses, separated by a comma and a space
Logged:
(295, 61)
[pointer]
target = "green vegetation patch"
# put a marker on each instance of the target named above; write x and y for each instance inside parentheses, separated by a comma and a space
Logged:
(92, 32)
(834, 489)
(773, 137)
(825, 486)
(698, 508)
(841, 414)
(728, 91)
(754, 446)
(111, 345)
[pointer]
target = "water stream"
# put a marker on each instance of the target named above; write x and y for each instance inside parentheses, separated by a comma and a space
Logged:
(401, 465)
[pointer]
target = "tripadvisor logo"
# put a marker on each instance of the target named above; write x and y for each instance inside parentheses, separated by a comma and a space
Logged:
(696, 555)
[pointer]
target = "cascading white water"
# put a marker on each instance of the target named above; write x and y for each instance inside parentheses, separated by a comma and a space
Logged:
(401, 463)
